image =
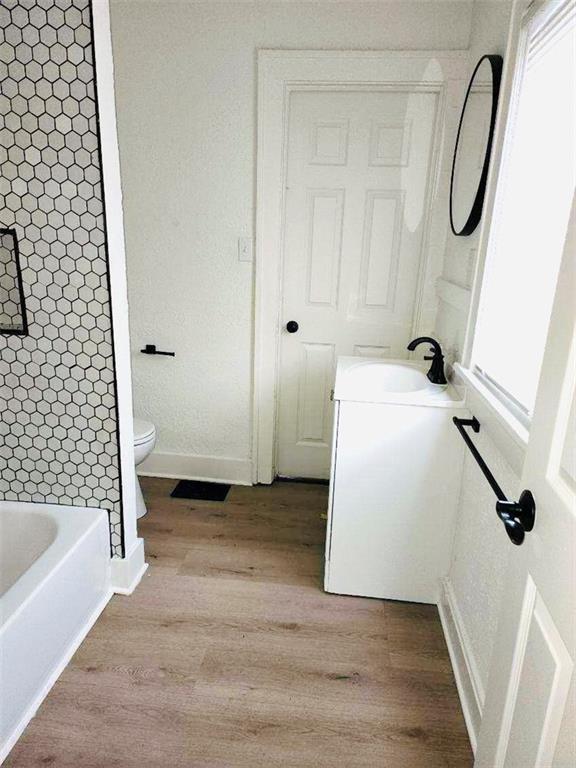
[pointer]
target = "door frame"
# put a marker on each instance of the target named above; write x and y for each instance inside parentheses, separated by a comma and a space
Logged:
(279, 74)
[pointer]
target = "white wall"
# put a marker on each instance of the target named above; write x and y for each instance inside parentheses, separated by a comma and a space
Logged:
(474, 589)
(490, 21)
(481, 552)
(185, 88)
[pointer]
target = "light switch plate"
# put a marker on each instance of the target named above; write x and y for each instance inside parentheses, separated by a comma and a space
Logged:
(245, 249)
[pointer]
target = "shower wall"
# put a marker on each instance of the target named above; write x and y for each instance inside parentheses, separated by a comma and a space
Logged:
(58, 419)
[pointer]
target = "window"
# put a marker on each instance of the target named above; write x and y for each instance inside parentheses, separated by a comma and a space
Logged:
(533, 199)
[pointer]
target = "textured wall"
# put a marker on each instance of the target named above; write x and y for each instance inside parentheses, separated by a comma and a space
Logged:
(58, 415)
(481, 549)
(186, 95)
(489, 33)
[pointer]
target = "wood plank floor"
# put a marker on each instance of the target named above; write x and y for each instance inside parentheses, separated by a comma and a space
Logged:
(229, 655)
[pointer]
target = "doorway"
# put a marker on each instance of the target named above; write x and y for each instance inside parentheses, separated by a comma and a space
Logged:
(351, 147)
(357, 187)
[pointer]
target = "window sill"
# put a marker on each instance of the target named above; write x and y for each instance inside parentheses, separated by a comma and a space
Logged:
(507, 433)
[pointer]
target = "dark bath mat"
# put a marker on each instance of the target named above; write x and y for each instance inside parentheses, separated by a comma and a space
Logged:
(196, 489)
(305, 480)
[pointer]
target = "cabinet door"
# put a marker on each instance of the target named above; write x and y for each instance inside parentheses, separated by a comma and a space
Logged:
(395, 487)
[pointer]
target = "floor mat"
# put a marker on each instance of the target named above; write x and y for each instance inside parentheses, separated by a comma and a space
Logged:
(306, 480)
(197, 489)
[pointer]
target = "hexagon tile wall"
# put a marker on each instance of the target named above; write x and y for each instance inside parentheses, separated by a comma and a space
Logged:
(59, 427)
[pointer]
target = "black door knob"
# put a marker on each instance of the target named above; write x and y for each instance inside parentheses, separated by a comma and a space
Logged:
(292, 326)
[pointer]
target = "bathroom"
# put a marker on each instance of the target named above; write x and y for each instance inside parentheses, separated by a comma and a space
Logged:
(223, 223)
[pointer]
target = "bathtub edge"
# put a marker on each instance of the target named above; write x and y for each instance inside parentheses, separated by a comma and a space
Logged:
(10, 742)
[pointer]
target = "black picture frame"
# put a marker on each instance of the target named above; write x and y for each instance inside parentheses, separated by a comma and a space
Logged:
(23, 330)
(475, 214)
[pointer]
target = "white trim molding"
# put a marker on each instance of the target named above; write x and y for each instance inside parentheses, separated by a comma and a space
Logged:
(186, 466)
(104, 72)
(468, 681)
(508, 434)
(126, 573)
(279, 74)
(59, 667)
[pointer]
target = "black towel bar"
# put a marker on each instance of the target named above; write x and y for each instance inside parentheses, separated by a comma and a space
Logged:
(150, 349)
(518, 516)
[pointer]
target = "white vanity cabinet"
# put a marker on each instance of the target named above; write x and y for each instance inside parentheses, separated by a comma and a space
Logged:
(396, 465)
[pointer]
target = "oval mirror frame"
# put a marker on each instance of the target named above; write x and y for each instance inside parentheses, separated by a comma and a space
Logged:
(476, 210)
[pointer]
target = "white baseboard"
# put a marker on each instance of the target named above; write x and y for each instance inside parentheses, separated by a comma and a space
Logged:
(468, 682)
(126, 572)
(7, 746)
(183, 466)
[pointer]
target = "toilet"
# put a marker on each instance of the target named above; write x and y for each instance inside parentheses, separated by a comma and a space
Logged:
(144, 440)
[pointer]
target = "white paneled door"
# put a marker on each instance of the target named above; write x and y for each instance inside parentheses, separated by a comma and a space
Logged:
(357, 200)
(529, 717)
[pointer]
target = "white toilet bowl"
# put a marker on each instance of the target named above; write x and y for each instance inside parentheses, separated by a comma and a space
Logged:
(144, 440)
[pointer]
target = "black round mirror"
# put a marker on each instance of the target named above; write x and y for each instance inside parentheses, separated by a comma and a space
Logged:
(474, 145)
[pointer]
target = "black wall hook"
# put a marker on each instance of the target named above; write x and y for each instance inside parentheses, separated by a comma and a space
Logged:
(518, 516)
(150, 349)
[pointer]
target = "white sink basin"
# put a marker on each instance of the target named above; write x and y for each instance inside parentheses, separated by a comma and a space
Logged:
(387, 377)
(402, 382)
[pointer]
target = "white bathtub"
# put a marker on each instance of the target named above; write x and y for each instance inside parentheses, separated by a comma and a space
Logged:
(54, 582)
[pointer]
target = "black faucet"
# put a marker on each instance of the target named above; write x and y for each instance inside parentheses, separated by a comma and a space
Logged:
(436, 372)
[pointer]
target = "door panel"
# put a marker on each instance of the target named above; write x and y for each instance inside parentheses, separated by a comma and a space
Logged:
(528, 718)
(380, 249)
(356, 208)
(316, 366)
(325, 211)
(538, 687)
